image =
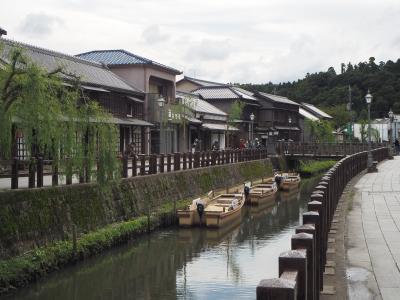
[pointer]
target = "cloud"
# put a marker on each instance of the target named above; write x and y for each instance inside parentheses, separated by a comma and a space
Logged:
(39, 24)
(208, 49)
(153, 35)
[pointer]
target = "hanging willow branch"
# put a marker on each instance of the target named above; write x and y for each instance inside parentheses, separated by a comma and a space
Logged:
(59, 122)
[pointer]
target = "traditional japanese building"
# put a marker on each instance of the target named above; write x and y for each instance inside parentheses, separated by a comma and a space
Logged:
(124, 101)
(156, 80)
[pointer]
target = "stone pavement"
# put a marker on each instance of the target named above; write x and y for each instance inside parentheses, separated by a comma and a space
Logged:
(373, 235)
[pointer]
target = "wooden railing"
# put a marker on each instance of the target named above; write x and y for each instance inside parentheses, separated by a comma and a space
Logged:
(42, 172)
(322, 149)
(301, 268)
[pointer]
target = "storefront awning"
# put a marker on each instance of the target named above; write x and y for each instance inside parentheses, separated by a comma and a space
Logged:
(287, 128)
(219, 127)
(130, 121)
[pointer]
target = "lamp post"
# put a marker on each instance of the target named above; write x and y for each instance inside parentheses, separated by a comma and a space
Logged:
(252, 128)
(368, 99)
(391, 118)
(161, 103)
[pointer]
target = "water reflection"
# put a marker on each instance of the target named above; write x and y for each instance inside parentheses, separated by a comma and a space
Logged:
(178, 263)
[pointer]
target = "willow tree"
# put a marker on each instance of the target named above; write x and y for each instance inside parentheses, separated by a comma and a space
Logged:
(57, 121)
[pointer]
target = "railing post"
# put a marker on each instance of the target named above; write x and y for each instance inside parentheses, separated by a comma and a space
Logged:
(124, 166)
(227, 156)
(203, 159)
(213, 157)
(54, 176)
(196, 160)
(161, 163)
(168, 162)
(177, 161)
(184, 161)
(14, 173)
(134, 165)
(190, 158)
(40, 172)
(31, 173)
(152, 164)
(142, 164)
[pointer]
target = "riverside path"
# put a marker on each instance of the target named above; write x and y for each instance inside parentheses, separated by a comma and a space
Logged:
(373, 235)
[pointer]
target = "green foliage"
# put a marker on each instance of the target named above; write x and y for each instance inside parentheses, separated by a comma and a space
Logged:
(310, 168)
(341, 116)
(235, 113)
(56, 121)
(328, 89)
(321, 131)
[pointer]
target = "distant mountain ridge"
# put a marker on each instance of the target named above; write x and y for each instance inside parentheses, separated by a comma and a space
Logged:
(330, 90)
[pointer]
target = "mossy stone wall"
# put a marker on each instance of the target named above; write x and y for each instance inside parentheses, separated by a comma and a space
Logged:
(36, 217)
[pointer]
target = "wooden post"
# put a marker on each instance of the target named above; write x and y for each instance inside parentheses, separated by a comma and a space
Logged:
(161, 163)
(134, 165)
(184, 155)
(54, 177)
(203, 163)
(177, 161)
(74, 238)
(190, 160)
(152, 164)
(196, 162)
(142, 164)
(31, 173)
(168, 162)
(14, 173)
(124, 166)
(40, 172)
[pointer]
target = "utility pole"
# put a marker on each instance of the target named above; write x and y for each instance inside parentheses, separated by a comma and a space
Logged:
(351, 117)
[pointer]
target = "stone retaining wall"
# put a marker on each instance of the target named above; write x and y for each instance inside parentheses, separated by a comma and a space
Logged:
(36, 217)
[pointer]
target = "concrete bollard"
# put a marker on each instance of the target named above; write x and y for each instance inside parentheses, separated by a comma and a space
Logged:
(305, 241)
(295, 260)
(283, 288)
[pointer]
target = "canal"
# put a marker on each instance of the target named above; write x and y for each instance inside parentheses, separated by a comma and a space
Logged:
(185, 263)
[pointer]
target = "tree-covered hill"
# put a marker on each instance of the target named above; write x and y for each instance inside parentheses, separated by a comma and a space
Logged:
(330, 90)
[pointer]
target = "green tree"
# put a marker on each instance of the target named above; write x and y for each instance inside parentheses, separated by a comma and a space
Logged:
(56, 121)
(320, 131)
(235, 113)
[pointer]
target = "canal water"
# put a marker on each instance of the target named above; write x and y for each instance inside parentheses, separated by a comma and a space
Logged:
(186, 263)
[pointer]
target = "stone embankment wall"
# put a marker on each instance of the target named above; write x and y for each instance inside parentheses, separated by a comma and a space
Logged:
(37, 217)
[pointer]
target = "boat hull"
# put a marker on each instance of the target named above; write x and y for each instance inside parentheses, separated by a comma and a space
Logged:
(221, 217)
(188, 218)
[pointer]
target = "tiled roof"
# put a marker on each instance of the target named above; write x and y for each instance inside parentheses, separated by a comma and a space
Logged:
(90, 73)
(224, 92)
(277, 98)
(200, 105)
(201, 82)
(316, 111)
(307, 114)
(122, 57)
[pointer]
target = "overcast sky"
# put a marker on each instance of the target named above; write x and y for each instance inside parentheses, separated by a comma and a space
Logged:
(222, 40)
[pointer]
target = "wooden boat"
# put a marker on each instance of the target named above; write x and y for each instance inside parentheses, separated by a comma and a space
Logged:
(288, 181)
(223, 209)
(262, 192)
(194, 214)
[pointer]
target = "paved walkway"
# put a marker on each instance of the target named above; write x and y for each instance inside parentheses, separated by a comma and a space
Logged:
(373, 235)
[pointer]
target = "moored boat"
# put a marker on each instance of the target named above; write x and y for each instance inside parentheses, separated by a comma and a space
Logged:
(194, 214)
(288, 181)
(224, 209)
(262, 192)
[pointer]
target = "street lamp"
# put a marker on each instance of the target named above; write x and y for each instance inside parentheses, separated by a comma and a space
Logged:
(252, 128)
(161, 104)
(368, 99)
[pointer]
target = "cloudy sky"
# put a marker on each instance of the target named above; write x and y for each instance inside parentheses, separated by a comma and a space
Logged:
(222, 40)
